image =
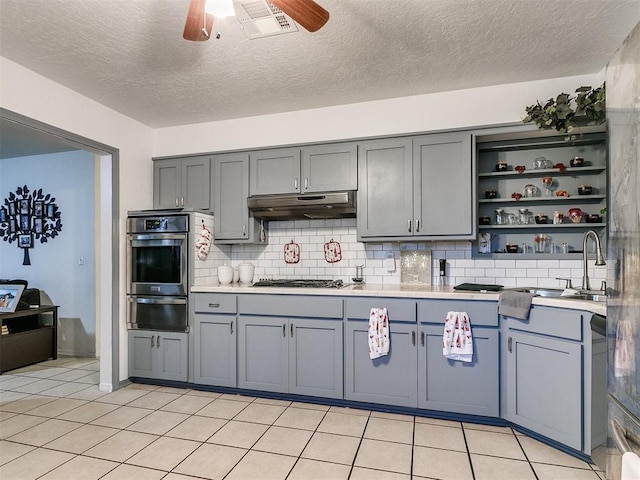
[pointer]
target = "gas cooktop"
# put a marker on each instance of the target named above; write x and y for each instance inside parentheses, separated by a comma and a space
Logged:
(299, 283)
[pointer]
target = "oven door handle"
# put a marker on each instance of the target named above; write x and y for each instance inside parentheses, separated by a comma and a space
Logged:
(158, 300)
(157, 238)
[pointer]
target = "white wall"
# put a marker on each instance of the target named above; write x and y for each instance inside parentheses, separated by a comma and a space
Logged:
(55, 269)
(27, 93)
(439, 111)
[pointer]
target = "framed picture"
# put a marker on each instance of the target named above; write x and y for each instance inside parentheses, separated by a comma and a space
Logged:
(24, 207)
(9, 297)
(12, 208)
(3, 215)
(24, 223)
(12, 225)
(38, 208)
(25, 241)
(37, 225)
(50, 209)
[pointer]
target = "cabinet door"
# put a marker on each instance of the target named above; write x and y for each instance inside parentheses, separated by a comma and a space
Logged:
(315, 357)
(167, 178)
(274, 171)
(231, 189)
(543, 379)
(196, 183)
(171, 356)
(454, 386)
(390, 379)
(444, 186)
(214, 350)
(330, 168)
(385, 195)
(142, 346)
(262, 353)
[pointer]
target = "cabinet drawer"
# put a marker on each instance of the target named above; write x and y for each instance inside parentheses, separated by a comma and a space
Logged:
(480, 312)
(557, 322)
(398, 310)
(290, 305)
(214, 303)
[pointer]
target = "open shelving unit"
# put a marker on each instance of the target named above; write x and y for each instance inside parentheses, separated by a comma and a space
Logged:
(522, 148)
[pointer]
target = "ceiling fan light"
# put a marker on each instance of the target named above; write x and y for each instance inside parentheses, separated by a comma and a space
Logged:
(220, 8)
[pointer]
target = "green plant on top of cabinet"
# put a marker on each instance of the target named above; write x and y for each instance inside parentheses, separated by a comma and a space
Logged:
(523, 149)
(279, 352)
(182, 183)
(312, 169)
(233, 221)
(416, 188)
(159, 355)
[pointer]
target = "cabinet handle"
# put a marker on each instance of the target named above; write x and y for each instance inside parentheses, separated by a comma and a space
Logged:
(510, 344)
(306, 183)
(295, 184)
(413, 338)
(214, 305)
(158, 342)
(231, 327)
(244, 229)
(292, 330)
(182, 201)
(152, 342)
(284, 330)
(409, 225)
(417, 225)
(422, 338)
(177, 202)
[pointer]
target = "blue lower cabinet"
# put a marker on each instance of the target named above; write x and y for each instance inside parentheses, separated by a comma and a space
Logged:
(391, 379)
(290, 355)
(214, 350)
(455, 386)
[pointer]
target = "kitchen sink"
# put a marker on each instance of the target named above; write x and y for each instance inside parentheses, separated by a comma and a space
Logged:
(557, 292)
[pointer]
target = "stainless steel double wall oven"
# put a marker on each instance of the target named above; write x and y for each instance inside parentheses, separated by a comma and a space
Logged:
(158, 270)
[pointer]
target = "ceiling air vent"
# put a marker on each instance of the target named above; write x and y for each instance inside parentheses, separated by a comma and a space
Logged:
(260, 18)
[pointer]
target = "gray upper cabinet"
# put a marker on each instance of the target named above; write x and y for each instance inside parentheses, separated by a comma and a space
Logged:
(329, 168)
(385, 196)
(320, 168)
(416, 188)
(233, 222)
(443, 186)
(182, 183)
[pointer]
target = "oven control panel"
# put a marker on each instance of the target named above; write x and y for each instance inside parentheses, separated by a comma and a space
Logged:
(156, 224)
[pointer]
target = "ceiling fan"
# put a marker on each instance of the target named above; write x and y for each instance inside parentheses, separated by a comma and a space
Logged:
(306, 13)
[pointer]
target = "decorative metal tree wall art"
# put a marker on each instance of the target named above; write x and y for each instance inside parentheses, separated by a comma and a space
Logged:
(28, 216)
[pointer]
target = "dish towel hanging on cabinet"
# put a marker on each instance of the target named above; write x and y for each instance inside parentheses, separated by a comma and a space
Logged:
(457, 339)
(378, 333)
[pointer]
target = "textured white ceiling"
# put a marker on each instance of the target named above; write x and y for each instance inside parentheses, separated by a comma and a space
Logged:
(130, 55)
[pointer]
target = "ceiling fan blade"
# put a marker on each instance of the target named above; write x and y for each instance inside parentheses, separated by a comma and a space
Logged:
(199, 24)
(307, 13)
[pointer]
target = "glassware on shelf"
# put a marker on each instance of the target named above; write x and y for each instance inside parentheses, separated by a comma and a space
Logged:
(540, 242)
(530, 191)
(524, 217)
(541, 162)
(548, 185)
(558, 217)
(575, 215)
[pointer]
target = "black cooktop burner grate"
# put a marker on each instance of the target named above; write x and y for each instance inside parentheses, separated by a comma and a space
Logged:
(301, 283)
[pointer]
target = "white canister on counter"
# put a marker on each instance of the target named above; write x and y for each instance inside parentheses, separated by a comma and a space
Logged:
(225, 274)
(246, 271)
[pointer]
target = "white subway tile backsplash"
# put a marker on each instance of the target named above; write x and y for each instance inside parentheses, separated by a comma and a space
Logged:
(311, 235)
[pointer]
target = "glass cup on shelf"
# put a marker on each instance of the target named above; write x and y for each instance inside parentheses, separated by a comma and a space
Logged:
(540, 242)
(548, 185)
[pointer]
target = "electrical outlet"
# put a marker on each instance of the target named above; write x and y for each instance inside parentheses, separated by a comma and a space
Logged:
(81, 261)
(390, 263)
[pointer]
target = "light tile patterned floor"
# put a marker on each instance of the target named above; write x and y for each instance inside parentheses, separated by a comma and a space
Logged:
(55, 424)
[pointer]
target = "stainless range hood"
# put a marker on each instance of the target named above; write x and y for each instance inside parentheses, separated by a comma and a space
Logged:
(310, 206)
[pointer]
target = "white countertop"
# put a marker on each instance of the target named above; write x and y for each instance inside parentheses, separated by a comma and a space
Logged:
(400, 291)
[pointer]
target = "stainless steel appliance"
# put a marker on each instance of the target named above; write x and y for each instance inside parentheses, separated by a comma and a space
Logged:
(299, 283)
(313, 206)
(158, 270)
(623, 273)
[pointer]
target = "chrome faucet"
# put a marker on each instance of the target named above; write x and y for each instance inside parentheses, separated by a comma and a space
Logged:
(599, 257)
